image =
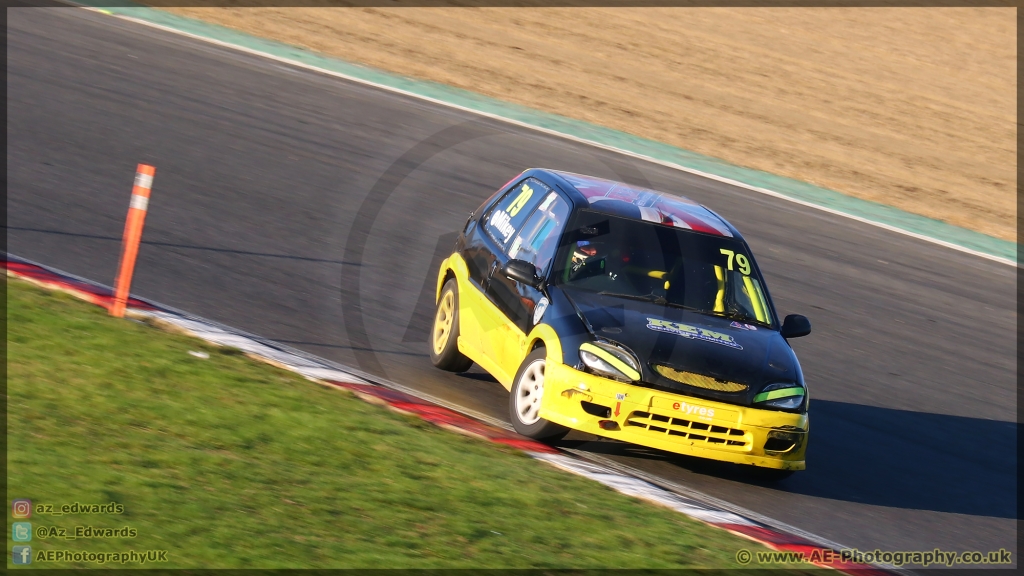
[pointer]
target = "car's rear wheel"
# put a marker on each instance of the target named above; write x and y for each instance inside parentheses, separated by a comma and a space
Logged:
(524, 403)
(444, 335)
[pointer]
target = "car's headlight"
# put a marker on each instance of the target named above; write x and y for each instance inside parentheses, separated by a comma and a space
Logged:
(607, 359)
(781, 395)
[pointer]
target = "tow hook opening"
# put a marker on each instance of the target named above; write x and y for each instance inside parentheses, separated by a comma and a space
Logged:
(608, 424)
(782, 441)
(596, 409)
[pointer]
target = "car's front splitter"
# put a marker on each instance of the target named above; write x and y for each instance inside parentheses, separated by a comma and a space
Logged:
(673, 422)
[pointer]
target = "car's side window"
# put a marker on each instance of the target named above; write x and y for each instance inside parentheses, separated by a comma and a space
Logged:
(538, 238)
(511, 211)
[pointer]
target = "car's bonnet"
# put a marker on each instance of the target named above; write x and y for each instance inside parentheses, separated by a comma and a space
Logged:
(719, 348)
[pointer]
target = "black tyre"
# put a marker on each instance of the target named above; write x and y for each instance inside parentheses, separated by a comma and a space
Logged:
(524, 402)
(444, 334)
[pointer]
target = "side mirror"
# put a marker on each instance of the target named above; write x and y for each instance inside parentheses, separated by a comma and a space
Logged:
(795, 326)
(522, 271)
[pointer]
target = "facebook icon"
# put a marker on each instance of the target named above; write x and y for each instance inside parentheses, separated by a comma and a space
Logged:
(21, 554)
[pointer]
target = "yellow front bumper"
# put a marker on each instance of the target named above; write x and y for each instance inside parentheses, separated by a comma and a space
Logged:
(672, 422)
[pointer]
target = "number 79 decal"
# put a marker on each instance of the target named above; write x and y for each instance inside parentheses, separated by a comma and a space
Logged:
(740, 259)
(520, 200)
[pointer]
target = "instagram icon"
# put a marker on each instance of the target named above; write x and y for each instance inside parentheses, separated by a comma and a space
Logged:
(21, 508)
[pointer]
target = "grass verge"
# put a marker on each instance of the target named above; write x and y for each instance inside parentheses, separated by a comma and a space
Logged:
(228, 462)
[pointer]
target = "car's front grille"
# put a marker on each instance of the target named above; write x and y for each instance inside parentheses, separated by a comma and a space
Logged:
(698, 380)
(719, 436)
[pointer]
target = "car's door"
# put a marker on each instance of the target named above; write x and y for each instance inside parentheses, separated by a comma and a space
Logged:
(478, 254)
(484, 254)
(536, 242)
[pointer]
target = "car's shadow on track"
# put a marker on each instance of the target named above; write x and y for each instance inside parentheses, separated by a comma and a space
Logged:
(478, 376)
(883, 457)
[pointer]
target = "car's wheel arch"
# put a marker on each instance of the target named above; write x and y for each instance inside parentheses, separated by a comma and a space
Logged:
(448, 275)
(543, 336)
(451, 267)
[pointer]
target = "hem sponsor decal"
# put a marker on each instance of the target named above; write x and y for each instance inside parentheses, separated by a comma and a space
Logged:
(692, 332)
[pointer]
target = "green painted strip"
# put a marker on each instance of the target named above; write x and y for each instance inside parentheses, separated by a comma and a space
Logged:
(783, 393)
(803, 192)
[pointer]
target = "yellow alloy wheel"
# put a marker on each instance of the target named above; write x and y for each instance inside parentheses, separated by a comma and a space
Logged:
(529, 393)
(443, 321)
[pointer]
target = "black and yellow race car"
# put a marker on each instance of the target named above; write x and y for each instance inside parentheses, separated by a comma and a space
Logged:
(626, 313)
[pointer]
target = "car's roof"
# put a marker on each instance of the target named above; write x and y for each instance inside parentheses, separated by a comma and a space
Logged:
(653, 206)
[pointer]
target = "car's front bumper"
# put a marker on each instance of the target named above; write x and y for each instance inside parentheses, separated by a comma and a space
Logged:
(673, 422)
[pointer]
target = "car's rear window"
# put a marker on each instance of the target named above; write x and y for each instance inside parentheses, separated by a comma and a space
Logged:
(507, 216)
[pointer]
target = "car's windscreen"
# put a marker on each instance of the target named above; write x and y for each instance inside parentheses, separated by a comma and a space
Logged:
(671, 266)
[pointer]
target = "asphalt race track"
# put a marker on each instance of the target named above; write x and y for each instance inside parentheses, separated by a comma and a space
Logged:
(313, 211)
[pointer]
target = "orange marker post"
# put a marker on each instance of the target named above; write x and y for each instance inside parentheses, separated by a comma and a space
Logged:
(132, 237)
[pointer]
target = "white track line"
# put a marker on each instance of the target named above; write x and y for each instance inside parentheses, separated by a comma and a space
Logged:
(563, 135)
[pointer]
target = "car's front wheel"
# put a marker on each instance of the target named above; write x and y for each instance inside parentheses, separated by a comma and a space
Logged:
(444, 335)
(524, 403)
